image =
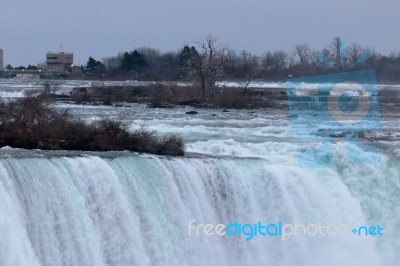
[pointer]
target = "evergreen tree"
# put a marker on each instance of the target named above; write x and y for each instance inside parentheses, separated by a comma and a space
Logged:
(134, 61)
(187, 55)
(93, 64)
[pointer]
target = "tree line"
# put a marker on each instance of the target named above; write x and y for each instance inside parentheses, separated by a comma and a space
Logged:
(147, 63)
(151, 64)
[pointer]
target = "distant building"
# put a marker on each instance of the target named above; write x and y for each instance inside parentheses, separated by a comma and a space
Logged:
(27, 76)
(1, 60)
(61, 62)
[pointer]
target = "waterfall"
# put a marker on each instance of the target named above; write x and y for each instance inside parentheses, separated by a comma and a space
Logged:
(135, 210)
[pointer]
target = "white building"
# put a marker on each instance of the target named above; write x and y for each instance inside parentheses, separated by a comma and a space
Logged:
(59, 61)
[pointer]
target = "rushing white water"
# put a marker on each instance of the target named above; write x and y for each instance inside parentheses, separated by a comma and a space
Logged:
(70, 208)
(134, 210)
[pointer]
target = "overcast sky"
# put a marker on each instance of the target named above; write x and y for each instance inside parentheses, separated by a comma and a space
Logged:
(102, 28)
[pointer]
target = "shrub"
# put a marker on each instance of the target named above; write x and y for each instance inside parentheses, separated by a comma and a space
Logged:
(31, 123)
(162, 95)
(171, 145)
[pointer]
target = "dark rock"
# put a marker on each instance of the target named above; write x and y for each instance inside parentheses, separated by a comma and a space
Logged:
(191, 113)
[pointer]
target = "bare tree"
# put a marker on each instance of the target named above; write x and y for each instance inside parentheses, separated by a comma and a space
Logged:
(252, 70)
(246, 64)
(321, 59)
(338, 52)
(112, 62)
(354, 52)
(245, 57)
(208, 64)
(276, 60)
(303, 52)
(152, 55)
(357, 54)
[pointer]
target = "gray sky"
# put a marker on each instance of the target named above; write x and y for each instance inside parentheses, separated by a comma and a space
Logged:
(102, 28)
